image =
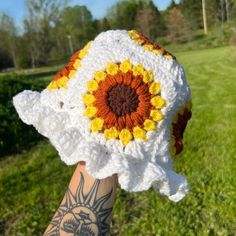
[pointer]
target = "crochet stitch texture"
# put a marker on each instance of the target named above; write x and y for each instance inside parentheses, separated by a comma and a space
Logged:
(121, 105)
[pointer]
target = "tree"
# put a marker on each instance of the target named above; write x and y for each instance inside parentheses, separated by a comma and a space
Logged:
(9, 36)
(149, 21)
(233, 10)
(5, 59)
(177, 28)
(77, 25)
(192, 11)
(204, 16)
(101, 25)
(172, 5)
(122, 15)
(219, 11)
(227, 10)
(42, 16)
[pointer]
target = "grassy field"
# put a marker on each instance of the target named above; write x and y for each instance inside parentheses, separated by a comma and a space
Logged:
(33, 183)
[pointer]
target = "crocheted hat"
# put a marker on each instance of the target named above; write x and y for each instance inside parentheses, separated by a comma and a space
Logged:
(121, 105)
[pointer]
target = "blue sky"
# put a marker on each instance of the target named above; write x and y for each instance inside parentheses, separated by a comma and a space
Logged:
(16, 8)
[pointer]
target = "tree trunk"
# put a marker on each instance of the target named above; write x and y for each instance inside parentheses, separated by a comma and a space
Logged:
(70, 44)
(204, 16)
(13, 49)
(222, 12)
(13, 53)
(32, 58)
(227, 10)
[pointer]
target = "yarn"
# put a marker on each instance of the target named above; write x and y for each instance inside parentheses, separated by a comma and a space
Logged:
(121, 105)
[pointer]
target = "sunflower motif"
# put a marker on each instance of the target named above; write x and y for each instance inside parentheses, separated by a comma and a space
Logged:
(61, 78)
(179, 124)
(141, 40)
(112, 107)
(123, 102)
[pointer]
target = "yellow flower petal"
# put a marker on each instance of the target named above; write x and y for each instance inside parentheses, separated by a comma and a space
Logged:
(72, 73)
(125, 136)
(92, 85)
(158, 102)
(154, 88)
(156, 115)
(168, 57)
(63, 79)
(111, 133)
(77, 64)
(83, 53)
(139, 41)
(52, 85)
(87, 46)
(133, 34)
(147, 76)
(61, 85)
(158, 52)
(90, 111)
(125, 66)
(139, 133)
(148, 47)
(97, 124)
(88, 99)
(138, 70)
(99, 75)
(149, 125)
(62, 82)
(112, 68)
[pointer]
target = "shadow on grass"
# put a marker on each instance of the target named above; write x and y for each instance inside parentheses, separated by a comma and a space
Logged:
(39, 75)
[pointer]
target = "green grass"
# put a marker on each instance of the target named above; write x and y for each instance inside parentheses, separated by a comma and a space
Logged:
(44, 74)
(218, 36)
(33, 183)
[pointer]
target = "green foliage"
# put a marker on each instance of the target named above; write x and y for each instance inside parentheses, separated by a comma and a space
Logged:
(101, 25)
(33, 183)
(122, 15)
(53, 31)
(7, 42)
(42, 17)
(5, 59)
(216, 37)
(149, 21)
(28, 178)
(133, 14)
(177, 27)
(192, 10)
(77, 22)
(14, 135)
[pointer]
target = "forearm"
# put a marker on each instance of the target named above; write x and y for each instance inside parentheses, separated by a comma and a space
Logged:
(86, 207)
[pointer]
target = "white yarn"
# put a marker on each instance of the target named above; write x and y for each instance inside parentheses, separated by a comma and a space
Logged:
(58, 115)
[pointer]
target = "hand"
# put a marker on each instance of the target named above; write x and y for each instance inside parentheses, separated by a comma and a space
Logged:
(86, 207)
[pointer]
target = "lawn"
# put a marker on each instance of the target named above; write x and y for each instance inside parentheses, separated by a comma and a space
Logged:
(33, 183)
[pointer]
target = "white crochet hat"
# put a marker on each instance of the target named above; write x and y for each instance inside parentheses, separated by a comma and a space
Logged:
(121, 105)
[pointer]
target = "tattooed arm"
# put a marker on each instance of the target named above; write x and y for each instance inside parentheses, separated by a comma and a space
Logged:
(86, 207)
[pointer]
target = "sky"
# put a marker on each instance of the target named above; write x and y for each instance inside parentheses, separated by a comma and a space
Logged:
(98, 8)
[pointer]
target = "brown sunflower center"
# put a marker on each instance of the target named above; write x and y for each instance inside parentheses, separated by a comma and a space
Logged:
(122, 99)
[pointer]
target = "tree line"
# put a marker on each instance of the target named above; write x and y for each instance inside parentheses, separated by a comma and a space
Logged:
(53, 30)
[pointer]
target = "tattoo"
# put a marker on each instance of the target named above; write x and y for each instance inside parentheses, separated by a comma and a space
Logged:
(81, 215)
